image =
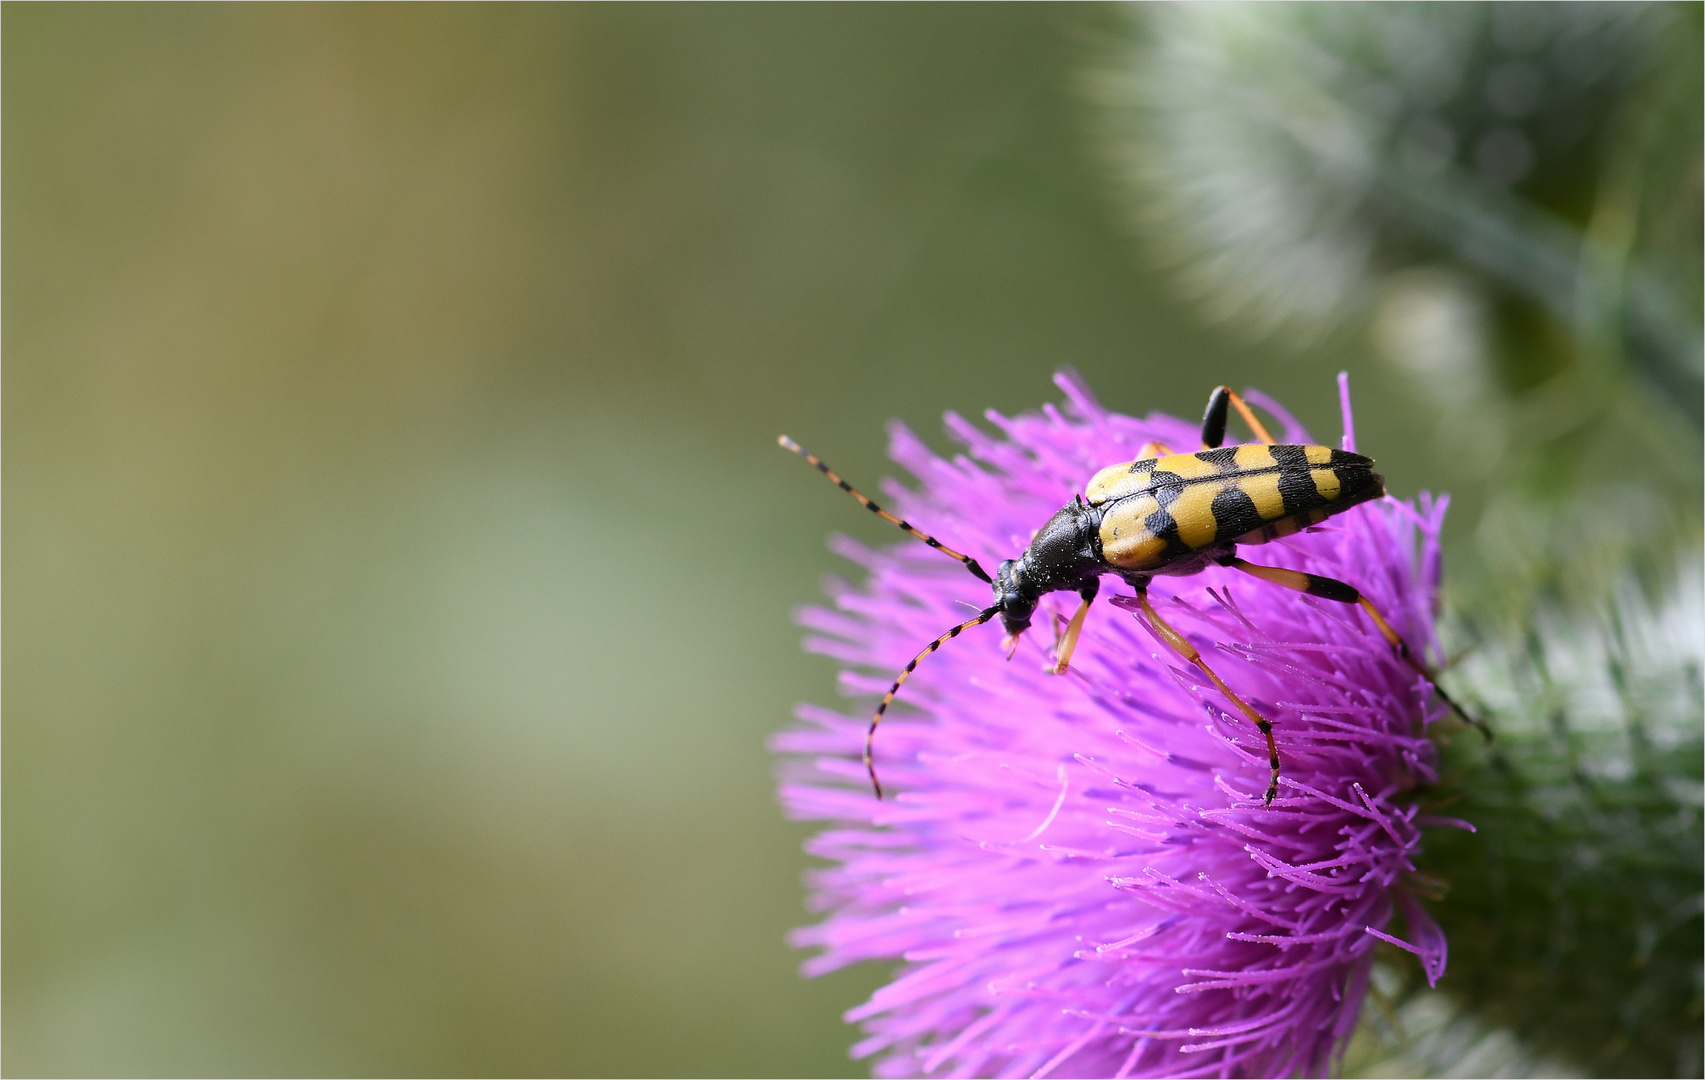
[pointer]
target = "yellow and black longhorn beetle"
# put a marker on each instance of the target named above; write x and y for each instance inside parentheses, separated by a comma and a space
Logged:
(1169, 513)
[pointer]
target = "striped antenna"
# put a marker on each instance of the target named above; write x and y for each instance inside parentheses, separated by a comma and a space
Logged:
(888, 699)
(970, 563)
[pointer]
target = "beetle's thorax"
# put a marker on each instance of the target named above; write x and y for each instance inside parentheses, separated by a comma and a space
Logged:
(1064, 554)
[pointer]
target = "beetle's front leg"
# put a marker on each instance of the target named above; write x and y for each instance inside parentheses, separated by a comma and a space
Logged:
(1152, 449)
(1068, 642)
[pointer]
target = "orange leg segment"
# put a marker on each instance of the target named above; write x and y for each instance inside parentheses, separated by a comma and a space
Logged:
(1332, 589)
(1180, 644)
(1068, 641)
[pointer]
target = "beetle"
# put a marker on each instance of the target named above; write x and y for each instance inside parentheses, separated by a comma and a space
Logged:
(1172, 514)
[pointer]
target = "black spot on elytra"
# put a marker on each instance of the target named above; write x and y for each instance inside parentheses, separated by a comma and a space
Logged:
(1234, 513)
(1296, 488)
(1223, 458)
(1160, 524)
(1166, 487)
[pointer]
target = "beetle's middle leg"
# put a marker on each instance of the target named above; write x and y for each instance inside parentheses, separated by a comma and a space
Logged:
(1180, 644)
(1332, 589)
(1068, 642)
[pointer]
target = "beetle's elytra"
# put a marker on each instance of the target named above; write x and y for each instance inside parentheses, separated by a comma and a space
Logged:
(1169, 513)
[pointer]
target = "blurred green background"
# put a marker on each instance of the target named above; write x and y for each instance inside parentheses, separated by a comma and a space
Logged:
(398, 560)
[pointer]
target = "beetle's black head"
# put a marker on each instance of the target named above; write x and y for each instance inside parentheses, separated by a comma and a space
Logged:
(1016, 596)
(1062, 555)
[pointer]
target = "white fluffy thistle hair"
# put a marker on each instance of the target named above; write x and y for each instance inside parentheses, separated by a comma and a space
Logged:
(1292, 161)
(1258, 138)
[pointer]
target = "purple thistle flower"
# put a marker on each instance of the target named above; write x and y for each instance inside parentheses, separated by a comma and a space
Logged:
(1077, 871)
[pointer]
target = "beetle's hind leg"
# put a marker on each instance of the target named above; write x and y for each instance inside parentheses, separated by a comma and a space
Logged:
(1213, 420)
(1180, 644)
(1068, 642)
(1332, 589)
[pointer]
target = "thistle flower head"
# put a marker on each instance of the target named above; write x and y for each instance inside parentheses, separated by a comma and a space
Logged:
(1076, 872)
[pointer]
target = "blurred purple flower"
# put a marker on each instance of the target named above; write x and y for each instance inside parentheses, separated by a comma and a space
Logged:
(1077, 872)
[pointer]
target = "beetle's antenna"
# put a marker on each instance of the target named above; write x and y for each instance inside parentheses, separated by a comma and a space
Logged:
(888, 699)
(970, 563)
(1473, 721)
